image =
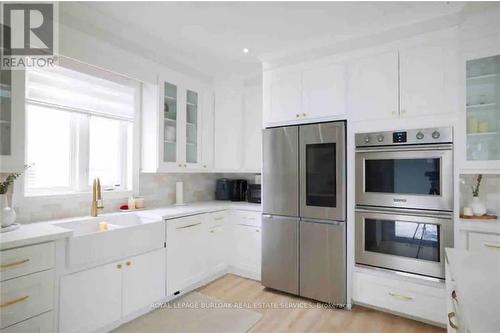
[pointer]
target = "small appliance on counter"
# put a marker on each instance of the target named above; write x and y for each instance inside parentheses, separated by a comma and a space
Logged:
(253, 193)
(239, 190)
(223, 189)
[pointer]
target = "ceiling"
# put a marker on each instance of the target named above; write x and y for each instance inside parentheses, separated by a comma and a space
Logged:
(210, 36)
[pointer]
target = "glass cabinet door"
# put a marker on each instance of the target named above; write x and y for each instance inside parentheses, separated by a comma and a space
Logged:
(5, 112)
(191, 127)
(170, 122)
(483, 108)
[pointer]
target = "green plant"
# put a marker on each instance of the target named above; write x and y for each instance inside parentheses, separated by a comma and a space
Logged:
(475, 188)
(9, 180)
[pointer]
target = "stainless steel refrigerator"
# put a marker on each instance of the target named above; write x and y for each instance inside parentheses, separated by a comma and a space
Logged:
(303, 198)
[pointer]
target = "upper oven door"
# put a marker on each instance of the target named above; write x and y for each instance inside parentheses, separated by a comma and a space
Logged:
(322, 171)
(419, 177)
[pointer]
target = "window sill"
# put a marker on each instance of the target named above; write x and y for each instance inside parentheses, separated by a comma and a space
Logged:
(76, 195)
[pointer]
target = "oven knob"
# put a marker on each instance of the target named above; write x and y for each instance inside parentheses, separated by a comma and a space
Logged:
(436, 135)
(367, 139)
(420, 135)
(380, 138)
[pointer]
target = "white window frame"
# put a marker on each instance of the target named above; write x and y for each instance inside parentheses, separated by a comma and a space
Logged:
(80, 143)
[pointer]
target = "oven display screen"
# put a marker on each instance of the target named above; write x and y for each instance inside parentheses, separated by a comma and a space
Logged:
(398, 137)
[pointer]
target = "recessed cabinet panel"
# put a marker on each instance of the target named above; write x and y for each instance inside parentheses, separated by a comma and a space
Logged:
(483, 109)
(324, 91)
(286, 96)
(428, 80)
(373, 87)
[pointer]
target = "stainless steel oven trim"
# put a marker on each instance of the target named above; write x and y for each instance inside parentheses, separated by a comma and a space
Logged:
(328, 133)
(410, 265)
(417, 201)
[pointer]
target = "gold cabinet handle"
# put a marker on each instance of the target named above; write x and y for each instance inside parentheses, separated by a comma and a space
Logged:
(180, 165)
(128, 263)
(119, 266)
(257, 230)
(494, 246)
(303, 115)
(452, 325)
(15, 263)
(14, 301)
(297, 115)
(211, 231)
(188, 226)
(401, 297)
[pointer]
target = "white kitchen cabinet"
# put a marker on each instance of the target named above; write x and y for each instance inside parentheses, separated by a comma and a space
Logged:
(100, 296)
(228, 133)
(90, 299)
(186, 252)
(143, 281)
(39, 324)
(422, 300)
(246, 259)
(252, 128)
(373, 87)
(285, 96)
(177, 131)
(304, 94)
(428, 79)
(324, 91)
(216, 243)
(12, 117)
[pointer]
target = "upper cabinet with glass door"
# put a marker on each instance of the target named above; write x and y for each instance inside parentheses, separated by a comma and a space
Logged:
(170, 123)
(11, 120)
(483, 110)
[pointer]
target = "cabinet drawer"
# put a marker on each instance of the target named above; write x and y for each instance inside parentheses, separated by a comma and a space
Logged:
(410, 299)
(26, 296)
(249, 218)
(484, 242)
(216, 219)
(26, 260)
(39, 324)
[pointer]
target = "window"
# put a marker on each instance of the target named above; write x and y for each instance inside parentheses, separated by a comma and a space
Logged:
(79, 126)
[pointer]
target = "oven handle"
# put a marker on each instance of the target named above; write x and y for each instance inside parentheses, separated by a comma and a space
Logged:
(411, 212)
(404, 148)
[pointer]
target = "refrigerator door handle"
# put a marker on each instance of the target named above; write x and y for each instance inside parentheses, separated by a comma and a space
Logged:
(322, 221)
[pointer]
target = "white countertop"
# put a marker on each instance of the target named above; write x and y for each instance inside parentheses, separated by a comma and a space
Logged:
(45, 231)
(32, 233)
(477, 284)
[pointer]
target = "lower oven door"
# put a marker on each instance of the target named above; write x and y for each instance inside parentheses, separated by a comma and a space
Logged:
(403, 240)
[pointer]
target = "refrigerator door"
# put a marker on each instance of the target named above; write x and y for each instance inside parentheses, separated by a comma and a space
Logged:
(280, 253)
(322, 171)
(323, 261)
(280, 171)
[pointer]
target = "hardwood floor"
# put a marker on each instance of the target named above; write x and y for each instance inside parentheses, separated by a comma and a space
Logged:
(234, 289)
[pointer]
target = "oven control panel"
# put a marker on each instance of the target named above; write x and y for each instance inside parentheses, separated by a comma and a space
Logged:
(408, 137)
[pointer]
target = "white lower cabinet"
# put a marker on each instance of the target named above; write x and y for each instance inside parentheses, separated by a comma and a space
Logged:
(421, 301)
(143, 281)
(483, 242)
(217, 237)
(99, 296)
(247, 244)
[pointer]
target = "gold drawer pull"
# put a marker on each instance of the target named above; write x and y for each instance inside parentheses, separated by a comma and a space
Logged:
(401, 297)
(14, 301)
(494, 246)
(452, 325)
(188, 226)
(128, 263)
(15, 263)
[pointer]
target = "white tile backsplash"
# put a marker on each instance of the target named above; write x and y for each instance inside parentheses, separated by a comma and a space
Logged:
(157, 190)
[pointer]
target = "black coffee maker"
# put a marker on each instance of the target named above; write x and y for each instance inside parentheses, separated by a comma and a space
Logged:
(238, 190)
(223, 189)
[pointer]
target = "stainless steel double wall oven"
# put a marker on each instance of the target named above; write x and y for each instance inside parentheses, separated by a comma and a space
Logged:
(404, 199)
(303, 225)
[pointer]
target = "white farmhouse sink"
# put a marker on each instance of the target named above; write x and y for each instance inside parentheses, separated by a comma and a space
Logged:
(128, 234)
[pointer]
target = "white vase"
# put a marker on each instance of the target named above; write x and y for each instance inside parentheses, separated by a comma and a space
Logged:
(478, 207)
(7, 214)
